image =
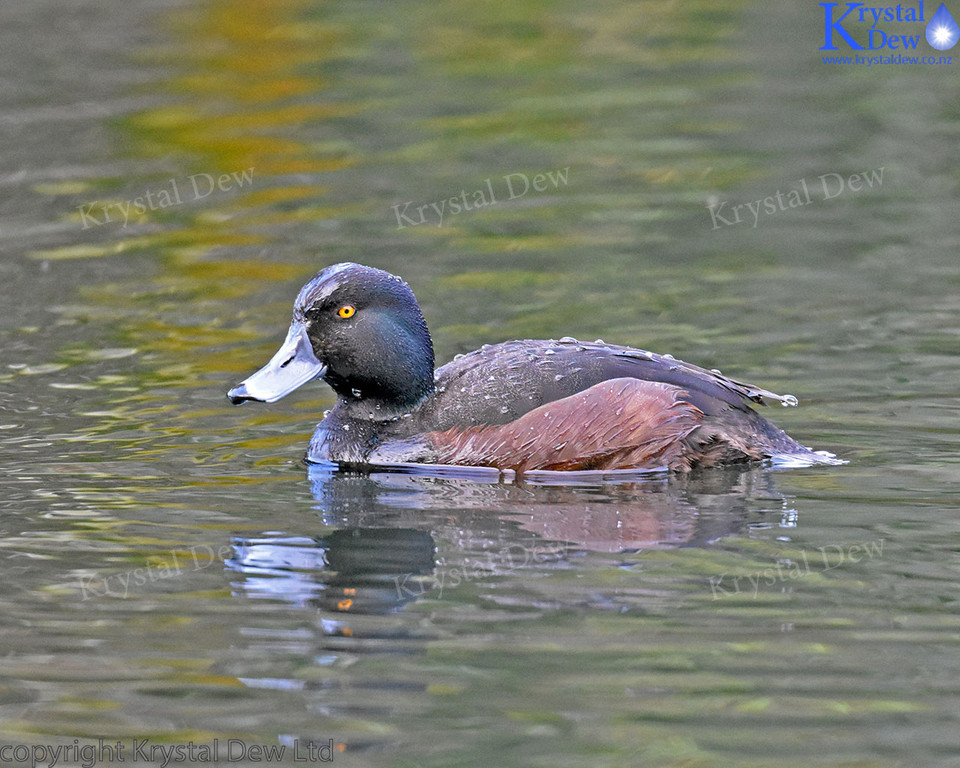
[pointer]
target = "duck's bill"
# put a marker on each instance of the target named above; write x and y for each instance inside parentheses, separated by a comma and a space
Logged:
(293, 365)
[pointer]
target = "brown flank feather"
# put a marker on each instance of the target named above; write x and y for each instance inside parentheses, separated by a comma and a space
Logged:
(617, 424)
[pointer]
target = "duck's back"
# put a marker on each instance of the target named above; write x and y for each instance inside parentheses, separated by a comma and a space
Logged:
(577, 405)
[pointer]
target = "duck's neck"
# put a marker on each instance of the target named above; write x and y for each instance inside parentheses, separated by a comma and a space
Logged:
(378, 409)
(399, 381)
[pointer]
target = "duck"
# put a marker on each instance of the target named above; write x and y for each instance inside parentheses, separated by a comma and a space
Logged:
(523, 405)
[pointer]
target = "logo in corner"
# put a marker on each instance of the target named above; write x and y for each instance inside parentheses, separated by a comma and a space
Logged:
(942, 31)
(861, 27)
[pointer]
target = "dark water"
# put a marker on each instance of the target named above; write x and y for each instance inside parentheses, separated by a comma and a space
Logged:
(172, 172)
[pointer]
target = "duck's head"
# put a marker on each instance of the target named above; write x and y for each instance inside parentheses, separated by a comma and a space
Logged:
(358, 328)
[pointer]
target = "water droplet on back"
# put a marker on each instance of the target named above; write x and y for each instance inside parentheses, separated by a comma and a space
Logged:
(356, 393)
(568, 340)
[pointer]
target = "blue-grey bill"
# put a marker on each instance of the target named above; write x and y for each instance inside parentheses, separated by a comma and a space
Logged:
(293, 365)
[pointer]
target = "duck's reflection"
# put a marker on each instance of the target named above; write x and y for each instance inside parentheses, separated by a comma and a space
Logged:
(388, 538)
(355, 570)
(395, 564)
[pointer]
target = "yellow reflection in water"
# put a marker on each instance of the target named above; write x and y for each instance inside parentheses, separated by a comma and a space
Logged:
(244, 98)
(248, 70)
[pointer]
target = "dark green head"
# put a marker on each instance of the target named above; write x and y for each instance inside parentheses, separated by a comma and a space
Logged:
(362, 331)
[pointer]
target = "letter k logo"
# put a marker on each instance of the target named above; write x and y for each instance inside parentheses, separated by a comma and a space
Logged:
(830, 26)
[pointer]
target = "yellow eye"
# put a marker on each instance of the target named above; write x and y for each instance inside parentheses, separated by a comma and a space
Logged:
(346, 311)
